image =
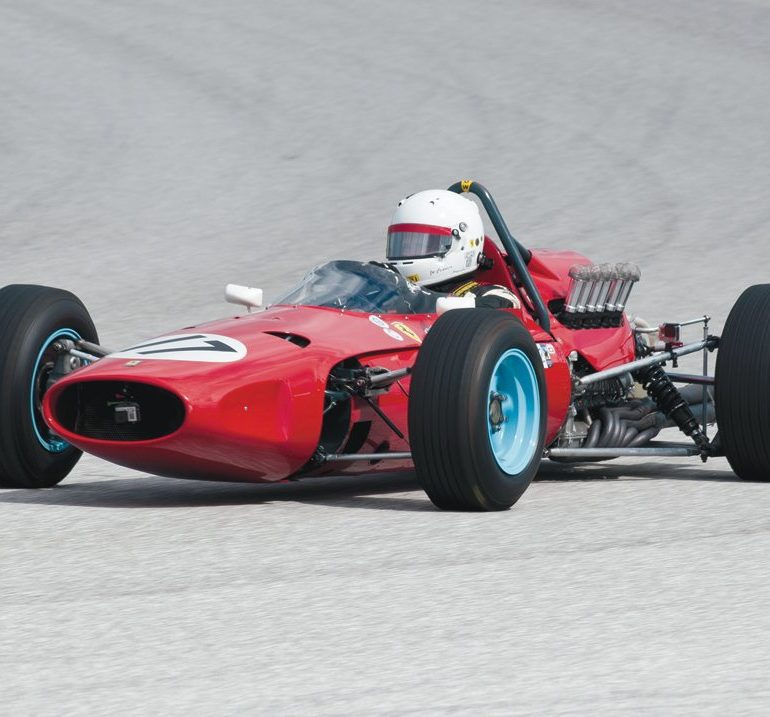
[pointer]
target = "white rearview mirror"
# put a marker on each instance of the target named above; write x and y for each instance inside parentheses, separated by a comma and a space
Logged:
(244, 295)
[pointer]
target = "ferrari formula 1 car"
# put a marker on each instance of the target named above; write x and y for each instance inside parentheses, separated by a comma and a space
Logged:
(357, 369)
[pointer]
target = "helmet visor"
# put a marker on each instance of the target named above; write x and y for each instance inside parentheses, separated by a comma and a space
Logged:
(415, 241)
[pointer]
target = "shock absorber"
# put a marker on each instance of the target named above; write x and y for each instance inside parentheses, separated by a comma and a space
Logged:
(661, 389)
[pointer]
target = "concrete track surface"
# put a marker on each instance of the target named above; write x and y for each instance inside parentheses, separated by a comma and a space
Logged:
(152, 151)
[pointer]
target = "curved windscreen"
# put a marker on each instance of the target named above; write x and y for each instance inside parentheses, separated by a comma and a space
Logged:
(360, 286)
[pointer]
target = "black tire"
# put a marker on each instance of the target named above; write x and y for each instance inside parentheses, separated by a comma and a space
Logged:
(742, 385)
(29, 317)
(449, 410)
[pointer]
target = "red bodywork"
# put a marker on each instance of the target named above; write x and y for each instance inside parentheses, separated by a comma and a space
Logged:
(260, 418)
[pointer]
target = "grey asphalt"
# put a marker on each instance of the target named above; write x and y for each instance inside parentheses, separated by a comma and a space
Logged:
(150, 152)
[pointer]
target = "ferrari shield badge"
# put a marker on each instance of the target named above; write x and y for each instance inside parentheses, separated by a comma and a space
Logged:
(407, 331)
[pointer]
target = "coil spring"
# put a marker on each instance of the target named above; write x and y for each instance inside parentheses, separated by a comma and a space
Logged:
(661, 389)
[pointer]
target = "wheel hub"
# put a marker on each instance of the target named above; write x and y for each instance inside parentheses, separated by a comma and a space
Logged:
(496, 415)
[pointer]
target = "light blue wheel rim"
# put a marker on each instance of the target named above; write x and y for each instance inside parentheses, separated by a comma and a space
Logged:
(514, 388)
(52, 444)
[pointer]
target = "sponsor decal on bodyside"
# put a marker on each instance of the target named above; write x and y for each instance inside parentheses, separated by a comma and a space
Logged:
(393, 334)
(547, 352)
(377, 321)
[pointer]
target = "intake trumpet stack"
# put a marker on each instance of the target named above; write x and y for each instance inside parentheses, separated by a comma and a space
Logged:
(598, 294)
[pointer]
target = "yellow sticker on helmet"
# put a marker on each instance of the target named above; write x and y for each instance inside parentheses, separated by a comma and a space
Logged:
(465, 185)
(414, 278)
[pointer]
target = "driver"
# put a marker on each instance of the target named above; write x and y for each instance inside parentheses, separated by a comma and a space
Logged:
(435, 240)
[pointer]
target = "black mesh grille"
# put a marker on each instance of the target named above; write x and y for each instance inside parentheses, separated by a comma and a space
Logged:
(91, 409)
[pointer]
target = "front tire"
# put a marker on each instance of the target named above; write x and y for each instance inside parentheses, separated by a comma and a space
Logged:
(477, 410)
(32, 319)
(742, 385)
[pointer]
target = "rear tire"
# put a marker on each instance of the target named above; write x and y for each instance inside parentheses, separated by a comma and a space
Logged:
(477, 410)
(742, 385)
(32, 318)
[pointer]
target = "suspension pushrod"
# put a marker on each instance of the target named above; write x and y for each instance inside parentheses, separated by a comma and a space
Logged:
(657, 358)
(700, 320)
(379, 378)
(83, 355)
(589, 453)
(350, 457)
(92, 348)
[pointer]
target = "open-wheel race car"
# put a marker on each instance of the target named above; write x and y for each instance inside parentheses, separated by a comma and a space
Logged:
(357, 370)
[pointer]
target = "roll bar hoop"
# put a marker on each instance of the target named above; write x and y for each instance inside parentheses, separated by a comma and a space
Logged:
(516, 252)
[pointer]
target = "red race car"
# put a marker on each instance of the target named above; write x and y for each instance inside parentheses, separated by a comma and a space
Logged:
(357, 369)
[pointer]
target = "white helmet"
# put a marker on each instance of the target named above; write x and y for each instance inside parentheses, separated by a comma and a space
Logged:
(435, 236)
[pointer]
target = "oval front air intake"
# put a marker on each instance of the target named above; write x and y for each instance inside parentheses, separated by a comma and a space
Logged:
(119, 410)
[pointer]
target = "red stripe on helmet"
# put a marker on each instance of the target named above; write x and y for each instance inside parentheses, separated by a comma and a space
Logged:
(419, 229)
